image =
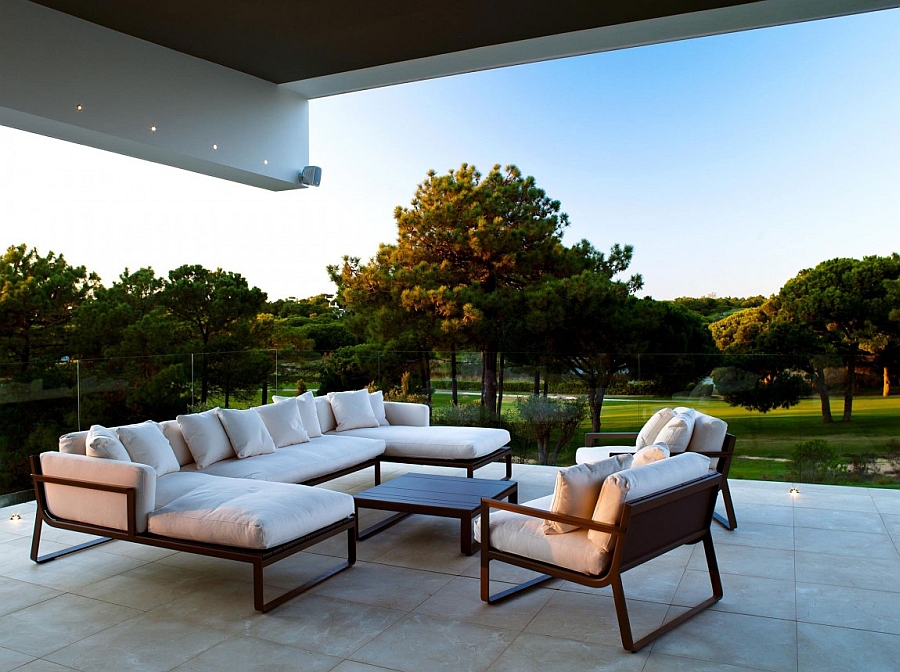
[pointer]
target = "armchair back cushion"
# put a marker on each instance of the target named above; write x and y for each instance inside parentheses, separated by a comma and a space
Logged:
(95, 507)
(577, 489)
(631, 484)
(677, 431)
(708, 435)
(653, 426)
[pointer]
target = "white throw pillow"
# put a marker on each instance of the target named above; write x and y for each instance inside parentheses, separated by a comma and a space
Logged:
(377, 400)
(103, 442)
(677, 432)
(309, 416)
(577, 489)
(206, 437)
(146, 444)
(652, 427)
(630, 484)
(246, 431)
(352, 410)
(650, 454)
(284, 423)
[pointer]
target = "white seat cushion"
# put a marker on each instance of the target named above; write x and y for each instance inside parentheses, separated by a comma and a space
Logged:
(597, 453)
(249, 514)
(451, 443)
(524, 535)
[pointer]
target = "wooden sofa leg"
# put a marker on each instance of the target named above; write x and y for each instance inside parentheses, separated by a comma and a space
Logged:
(36, 544)
(729, 521)
(259, 564)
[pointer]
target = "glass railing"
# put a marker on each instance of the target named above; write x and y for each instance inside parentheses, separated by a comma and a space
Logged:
(42, 401)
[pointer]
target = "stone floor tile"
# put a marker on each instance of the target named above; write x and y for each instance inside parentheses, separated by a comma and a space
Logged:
(855, 608)
(830, 649)
(384, 586)
(842, 542)
(735, 639)
(661, 663)
(353, 666)
(69, 573)
(52, 624)
(326, 625)
(844, 570)
(766, 563)
(834, 499)
(460, 600)
(12, 660)
(15, 595)
(654, 581)
(769, 514)
(250, 654)
(213, 603)
(751, 595)
(586, 617)
(41, 665)
(145, 587)
(143, 643)
(760, 535)
(418, 642)
(832, 519)
(539, 653)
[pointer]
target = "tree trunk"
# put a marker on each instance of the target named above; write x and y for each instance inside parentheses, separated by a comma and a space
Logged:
(595, 403)
(454, 383)
(823, 394)
(886, 389)
(546, 386)
(425, 373)
(500, 385)
(265, 393)
(204, 379)
(536, 390)
(850, 385)
(489, 381)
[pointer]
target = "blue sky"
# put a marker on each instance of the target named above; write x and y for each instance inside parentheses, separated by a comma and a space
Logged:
(729, 162)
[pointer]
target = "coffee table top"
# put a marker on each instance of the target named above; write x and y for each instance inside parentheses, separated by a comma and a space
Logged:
(422, 493)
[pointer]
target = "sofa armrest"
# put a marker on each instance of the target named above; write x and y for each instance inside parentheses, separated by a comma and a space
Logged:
(403, 413)
(67, 480)
(587, 523)
(599, 438)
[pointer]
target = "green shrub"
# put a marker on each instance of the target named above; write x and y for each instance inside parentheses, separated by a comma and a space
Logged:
(815, 461)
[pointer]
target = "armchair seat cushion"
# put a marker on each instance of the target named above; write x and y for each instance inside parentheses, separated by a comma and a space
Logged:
(248, 514)
(438, 441)
(524, 535)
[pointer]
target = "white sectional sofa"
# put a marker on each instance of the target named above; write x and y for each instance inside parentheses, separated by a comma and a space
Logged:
(238, 483)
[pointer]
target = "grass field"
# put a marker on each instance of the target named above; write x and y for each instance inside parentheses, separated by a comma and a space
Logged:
(764, 440)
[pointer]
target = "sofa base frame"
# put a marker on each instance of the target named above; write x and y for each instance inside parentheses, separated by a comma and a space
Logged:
(650, 527)
(470, 465)
(258, 558)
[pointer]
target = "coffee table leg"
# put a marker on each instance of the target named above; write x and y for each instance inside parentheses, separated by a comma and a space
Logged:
(467, 545)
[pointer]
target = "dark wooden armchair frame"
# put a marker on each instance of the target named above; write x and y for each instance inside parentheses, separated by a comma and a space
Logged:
(258, 558)
(651, 526)
(729, 521)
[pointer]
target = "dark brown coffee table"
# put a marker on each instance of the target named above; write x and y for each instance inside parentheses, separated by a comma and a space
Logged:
(433, 495)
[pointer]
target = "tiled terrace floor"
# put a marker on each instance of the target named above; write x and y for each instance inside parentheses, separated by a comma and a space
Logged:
(811, 584)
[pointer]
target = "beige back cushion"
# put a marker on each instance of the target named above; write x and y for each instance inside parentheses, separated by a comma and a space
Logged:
(652, 427)
(172, 432)
(74, 443)
(708, 435)
(95, 507)
(577, 490)
(630, 484)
